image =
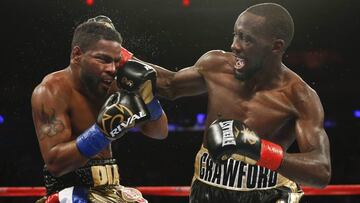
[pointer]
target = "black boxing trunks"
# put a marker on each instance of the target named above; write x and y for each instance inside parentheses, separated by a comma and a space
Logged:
(237, 181)
(95, 173)
(97, 182)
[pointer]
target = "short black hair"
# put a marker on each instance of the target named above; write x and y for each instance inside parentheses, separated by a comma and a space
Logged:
(102, 19)
(88, 33)
(277, 19)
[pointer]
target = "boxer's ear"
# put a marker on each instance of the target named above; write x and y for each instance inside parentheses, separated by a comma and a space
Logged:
(76, 54)
(278, 46)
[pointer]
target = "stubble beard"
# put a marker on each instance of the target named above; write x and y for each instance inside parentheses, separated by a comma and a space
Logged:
(92, 85)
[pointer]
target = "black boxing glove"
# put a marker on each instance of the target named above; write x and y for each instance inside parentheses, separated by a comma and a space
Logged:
(121, 112)
(227, 138)
(138, 77)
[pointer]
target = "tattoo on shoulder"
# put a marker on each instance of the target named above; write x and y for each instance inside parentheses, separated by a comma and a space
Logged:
(51, 126)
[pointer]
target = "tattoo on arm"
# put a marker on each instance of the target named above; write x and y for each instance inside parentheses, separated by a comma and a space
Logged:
(50, 124)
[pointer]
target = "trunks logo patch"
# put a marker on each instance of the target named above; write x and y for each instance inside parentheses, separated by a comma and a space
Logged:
(105, 175)
(235, 174)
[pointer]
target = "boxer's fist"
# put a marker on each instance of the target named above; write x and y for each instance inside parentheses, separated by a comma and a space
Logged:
(121, 112)
(230, 138)
(134, 74)
(138, 77)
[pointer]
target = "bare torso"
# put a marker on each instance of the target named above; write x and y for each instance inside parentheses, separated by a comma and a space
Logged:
(268, 111)
(275, 103)
(82, 110)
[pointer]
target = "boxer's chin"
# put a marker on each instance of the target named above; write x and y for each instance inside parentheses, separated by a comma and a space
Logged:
(241, 75)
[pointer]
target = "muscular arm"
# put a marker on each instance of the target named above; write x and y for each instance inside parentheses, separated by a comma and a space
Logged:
(185, 82)
(52, 125)
(312, 165)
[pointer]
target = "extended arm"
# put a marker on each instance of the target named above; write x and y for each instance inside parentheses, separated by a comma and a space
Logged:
(185, 82)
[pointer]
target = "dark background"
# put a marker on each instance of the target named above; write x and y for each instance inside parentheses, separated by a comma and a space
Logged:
(36, 38)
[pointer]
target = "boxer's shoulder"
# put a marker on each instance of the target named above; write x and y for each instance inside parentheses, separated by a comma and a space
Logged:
(297, 90)
(216, 56)
(214, 59)
(57, 84)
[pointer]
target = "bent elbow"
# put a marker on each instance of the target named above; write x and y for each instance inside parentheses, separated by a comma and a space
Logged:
(53, 164)
(54, 170)
(160, 135)
(163, 136)
(324, 177)
(155, 129)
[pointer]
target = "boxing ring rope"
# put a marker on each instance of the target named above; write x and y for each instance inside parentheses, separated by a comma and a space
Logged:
(180, 191)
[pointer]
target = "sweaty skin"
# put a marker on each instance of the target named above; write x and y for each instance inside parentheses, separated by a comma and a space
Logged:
(273, 100)
(67, 102)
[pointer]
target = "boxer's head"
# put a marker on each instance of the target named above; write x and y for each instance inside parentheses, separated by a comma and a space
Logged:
(261, 34)
(102, 19)
(95, 55)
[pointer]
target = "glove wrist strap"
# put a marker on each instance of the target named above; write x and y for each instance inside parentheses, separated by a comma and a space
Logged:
(155, 109)
(91, 142)
(271, 155)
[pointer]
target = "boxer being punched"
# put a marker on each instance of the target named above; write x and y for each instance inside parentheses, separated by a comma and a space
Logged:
(257, 108)
(79, 111)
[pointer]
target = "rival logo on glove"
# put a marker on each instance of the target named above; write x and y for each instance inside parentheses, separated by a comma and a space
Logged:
(125, 118)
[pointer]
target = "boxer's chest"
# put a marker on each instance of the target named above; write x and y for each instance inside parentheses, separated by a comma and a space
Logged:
(82, 114)
(266, 112)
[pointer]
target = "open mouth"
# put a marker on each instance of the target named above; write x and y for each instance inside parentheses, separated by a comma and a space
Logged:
(107, 82)
(240, 63)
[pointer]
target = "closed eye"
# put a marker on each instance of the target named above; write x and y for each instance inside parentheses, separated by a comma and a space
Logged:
(104, 59)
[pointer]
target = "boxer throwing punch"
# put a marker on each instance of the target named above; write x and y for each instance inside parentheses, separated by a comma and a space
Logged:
(257, 108)
(79, 110)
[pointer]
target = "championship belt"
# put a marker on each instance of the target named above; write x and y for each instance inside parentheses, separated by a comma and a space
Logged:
(96, 172)
(238, 175)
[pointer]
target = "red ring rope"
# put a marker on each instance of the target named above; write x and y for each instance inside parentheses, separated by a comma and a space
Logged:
(180, 191)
